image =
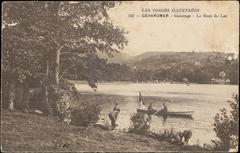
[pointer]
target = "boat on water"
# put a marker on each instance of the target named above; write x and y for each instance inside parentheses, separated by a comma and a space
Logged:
(187, 114)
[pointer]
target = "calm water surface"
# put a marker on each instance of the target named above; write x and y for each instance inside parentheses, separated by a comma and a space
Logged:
(204, 100)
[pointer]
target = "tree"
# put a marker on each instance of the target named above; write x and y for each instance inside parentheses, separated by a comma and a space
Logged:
(63, 33)
(234, 71)
(73, 28)
(226, 125)
(22, 58)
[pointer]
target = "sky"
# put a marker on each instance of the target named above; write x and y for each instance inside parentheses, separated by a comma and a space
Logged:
(147, 34)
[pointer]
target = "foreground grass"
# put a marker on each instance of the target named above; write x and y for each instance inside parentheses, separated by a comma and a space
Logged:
(30, 132)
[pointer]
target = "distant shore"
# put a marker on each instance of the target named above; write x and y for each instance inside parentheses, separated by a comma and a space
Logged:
(144, 82)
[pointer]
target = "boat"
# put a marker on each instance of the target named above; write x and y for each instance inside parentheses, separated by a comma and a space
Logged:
(187, 114)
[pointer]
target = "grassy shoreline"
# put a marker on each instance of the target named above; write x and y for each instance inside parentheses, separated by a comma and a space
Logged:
(30, 132)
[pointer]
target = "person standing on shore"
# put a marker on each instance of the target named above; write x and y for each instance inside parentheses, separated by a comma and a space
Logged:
(113, 117)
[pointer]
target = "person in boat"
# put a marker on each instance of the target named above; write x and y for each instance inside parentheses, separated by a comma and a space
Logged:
(165, 109)
(113, 117)
(116, 107)
(150, 108)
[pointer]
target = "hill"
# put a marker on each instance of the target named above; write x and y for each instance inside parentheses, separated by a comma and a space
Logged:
(120, 58)
(198, 67)
(116, 57)
(153, 60)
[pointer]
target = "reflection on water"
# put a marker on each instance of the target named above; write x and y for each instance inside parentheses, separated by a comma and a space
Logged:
(164, 120)
(204, 100)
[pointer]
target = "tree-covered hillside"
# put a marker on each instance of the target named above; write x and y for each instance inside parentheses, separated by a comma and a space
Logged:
(198, 67)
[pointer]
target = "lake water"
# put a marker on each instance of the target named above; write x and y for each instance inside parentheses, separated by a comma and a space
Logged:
(205, 100)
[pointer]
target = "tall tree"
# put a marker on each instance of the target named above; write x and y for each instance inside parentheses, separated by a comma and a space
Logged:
(63, 33)
(73, 28)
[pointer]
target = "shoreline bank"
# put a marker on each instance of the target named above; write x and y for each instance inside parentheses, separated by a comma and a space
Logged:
(35, 133)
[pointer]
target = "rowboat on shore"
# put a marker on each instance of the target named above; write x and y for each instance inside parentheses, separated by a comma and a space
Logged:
(186, 114)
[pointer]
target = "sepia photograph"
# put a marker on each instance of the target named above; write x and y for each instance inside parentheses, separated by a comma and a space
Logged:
(120, 76)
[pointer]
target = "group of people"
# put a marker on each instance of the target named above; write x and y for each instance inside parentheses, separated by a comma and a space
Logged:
(114, 113)
(164, 109)
(149, 108)
(186, 134)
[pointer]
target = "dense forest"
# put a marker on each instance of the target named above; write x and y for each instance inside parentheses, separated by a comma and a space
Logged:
(197, 67)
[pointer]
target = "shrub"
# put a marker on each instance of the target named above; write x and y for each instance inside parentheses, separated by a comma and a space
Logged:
(61, 98)
(85, 114)
(169, 135)
(69, 89)
(140, 123)
(226, 126)
(104, 124)
(60, 104)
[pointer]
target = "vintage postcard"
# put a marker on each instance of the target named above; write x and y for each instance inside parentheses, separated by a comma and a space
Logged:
(120, 76)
